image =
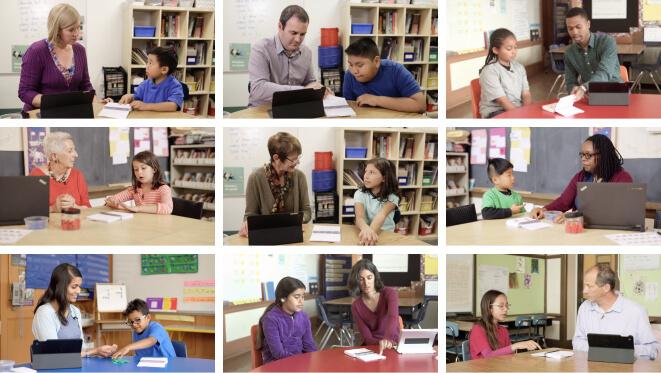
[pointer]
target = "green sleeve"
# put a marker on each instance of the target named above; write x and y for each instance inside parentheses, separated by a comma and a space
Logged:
(489, 200)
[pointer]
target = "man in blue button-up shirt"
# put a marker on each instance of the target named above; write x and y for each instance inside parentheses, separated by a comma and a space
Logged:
(606, 311)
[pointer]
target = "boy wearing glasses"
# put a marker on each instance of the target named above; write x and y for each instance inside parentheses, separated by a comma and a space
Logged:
(149, 337)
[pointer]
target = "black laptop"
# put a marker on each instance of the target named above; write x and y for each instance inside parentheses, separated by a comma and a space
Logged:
(609, 93)
(611, 348)
(22, 196)
(56, 354)
(77, 105)
(299, 103)
(612, 205)
(275, 229)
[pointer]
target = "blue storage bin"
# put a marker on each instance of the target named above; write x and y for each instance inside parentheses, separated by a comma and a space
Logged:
(330, 57)
(323, 180)
(361, 28)
(355, 153)
(144, 31)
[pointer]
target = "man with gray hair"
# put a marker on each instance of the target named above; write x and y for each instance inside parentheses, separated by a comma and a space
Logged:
(607, 311)
(282, 62)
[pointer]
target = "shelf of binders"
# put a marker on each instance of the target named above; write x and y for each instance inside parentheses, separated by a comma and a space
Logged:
(414, 152)
(192, 170)
(190, 31)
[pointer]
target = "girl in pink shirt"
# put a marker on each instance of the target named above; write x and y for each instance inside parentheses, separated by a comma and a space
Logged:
(488, 338)
(149, 191)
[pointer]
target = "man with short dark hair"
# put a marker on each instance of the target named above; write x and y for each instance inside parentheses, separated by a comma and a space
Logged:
(606, 311)
(592, 57)
(282, 62)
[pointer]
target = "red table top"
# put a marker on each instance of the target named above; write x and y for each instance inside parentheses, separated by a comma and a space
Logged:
(640, 106)
(334, 360)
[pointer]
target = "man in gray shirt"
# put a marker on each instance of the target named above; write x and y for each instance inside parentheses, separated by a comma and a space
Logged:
(282, 62)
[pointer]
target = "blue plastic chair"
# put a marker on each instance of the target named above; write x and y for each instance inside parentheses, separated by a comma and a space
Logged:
(522, 322)
(452, 331)
(180, 349)
(539, 321)
(465, 350)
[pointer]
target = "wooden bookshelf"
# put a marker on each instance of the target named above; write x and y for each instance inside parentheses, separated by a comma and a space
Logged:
(422, 186)
(457, 173)
(371, 12)
(199, 75)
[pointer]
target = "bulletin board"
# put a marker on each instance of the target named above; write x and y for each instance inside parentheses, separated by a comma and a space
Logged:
(529, 295)
(164, 264)
(613, 24)
(640, 278)
(93, 267)
(459, 283)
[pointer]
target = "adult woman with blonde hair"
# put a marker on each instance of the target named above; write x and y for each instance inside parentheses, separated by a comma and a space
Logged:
(278, 186)
(67, 183)
(56, 64)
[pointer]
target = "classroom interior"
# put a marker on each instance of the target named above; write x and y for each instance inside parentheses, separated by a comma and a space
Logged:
(247, 278)
(333, 26)
(540, 28)
(545, 292)
(545, 159)
(117, 35)
(332, 160)
(178, 288)
(186, 155)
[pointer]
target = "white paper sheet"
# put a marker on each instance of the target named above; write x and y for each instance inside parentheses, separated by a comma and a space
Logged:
(335, 106)
(325, 233)
(492, 277)
(11, 236)
(638, 239)
(479, 146)
(115, 111)
(141, 139)
(391, 262)
(120, 147)
(609, 9)
(160, 135)
(153, 362)
(564, 106)
(631, 262)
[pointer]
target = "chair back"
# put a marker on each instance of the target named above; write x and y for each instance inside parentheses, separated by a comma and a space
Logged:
(451, 329)
(460, 215)
(180, 348)
(186, 208)
(321, 308)
(465, 351)
(557, 60)
(254, 352)
(476, 92)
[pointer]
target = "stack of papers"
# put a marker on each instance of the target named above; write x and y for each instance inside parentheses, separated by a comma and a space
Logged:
(639, 239)
(115, 111)
(11, 236)
(335, 106)
(110, 216)
(325, 233)
(564, 106)
(554, 354)
(527, 223)
(153, 362)
(364, 354)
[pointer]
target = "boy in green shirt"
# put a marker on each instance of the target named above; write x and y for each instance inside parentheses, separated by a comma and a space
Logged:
(501, 202)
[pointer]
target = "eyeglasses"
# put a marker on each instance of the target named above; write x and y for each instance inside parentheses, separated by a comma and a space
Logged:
(502, 306)
(136, 321)
(294, 161)
(587, 156)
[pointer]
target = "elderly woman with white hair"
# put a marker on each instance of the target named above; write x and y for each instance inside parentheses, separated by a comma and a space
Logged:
(67, 184)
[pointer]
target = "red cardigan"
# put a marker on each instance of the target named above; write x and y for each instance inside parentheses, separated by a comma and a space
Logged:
(75, 186)
(383, 323)
(479, 343)
(567, 199)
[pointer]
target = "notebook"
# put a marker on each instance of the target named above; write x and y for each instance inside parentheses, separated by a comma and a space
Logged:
(564, 106)
(364, 354)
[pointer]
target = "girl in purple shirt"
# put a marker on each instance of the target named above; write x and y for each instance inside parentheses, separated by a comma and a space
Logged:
(376, 308)
(57, 64)
(284, 329)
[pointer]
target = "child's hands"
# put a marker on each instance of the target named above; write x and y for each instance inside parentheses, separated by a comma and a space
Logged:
(106, 100)
(138, 105)
(106, 351)
(516, 209)
(111, 203)
(367, 100)
(132, 208)
(126, 99)
(121, 353)
(367, 237)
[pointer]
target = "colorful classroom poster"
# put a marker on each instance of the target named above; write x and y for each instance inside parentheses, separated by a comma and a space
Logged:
(239, 55)
(479, 146)
(141, 139)
(199, 291)
(120, 149)
(520, 148)
(160, 135)
(17, 52)
(33, 153)
(233, 181)
(497, 142)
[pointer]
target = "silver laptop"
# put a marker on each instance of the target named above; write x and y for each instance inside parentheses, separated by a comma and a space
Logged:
(416, 341)
(611, 348)
(612, 205)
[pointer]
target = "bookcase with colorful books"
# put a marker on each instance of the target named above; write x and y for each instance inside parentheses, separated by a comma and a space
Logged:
(414, 152)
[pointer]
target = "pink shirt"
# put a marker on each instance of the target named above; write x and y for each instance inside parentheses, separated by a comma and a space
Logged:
(383, 323)
(162, 197)
(479, 343)
(74, 186)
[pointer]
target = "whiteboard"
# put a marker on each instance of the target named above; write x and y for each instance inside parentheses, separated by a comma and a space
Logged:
(111, 298)
(25, 21)
(459, 283)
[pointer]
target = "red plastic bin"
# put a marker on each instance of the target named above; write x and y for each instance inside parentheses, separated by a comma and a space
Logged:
(329, 37)
(323, 160)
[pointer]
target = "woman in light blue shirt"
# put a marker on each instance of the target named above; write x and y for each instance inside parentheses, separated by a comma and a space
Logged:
(55, 316)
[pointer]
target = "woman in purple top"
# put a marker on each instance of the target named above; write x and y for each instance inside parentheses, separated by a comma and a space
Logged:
(602, 163)
(376, 308)
(284, 329)
(57, 64)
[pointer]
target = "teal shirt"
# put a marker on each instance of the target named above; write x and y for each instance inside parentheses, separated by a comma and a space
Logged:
(373, 206)
(599, 63)
(495, 198)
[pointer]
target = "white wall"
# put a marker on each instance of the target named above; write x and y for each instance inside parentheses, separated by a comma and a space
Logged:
(312, 140)
(104, 35)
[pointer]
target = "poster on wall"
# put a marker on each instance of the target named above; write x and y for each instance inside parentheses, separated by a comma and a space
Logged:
(33, 145)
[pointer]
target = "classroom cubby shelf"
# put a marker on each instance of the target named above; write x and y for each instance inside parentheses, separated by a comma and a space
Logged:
(368, 13)
(179, 166)
(142, 15)
(365, 138)
(459, 175)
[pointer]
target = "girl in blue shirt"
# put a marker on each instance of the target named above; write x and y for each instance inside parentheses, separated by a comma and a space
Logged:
(377, 200)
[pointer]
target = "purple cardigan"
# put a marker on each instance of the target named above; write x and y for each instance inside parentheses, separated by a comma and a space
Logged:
(381, 324)
(567, 199)
(39, 75)
(286, 336)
